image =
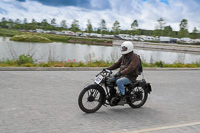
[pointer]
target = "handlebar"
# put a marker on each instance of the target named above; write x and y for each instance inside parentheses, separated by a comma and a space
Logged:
(108, 71)
(105, 72)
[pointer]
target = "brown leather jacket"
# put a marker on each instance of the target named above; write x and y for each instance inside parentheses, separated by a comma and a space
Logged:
(131, 70)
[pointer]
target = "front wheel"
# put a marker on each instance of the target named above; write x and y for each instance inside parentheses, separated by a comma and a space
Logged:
(138, 97)
(90, 99)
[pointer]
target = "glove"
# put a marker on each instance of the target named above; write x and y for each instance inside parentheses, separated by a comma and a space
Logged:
(118, 74)
(104, 69)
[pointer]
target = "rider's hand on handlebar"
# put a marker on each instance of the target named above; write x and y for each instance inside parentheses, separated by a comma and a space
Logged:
(107, 71)
(118, 74)
(104, 69)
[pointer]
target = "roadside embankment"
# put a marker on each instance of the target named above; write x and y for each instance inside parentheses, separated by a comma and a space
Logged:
(166, 46)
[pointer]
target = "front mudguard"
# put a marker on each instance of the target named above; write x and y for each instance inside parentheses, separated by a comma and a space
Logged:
(100, 88)
(148, 87)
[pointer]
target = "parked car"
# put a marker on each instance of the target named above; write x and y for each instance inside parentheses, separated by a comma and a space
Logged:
(185, 40)
(165, 39)
(197, 40)
(174, 40)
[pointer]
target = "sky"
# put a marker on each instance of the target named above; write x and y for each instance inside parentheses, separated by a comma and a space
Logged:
(146, 12)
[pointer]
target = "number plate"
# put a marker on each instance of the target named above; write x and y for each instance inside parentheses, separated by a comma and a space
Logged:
(98, 79)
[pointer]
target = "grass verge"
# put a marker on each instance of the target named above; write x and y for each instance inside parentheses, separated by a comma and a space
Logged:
(27, 61)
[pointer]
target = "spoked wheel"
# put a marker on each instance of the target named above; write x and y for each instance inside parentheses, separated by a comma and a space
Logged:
(138, 97)
(90, 99)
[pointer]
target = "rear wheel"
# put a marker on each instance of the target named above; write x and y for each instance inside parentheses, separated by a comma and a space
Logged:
(138, 97)
(90, 99)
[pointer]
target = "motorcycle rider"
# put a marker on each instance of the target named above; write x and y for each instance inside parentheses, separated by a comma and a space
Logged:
(128, 72)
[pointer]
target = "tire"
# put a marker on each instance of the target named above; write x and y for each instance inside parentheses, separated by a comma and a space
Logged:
(139, 95)
(90, 96)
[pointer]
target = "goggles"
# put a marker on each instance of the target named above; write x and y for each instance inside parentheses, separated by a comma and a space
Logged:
(123, 48)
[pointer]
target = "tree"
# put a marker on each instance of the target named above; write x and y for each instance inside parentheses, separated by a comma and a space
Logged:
(194, 34)
(138, 32)
(10, 23)
(103, 27)
(161, 24)
(25, 24)
(3, 23)
(159, 29)
(53, 22)
(116, 27)
(183, 29)
(99, 31)
(134, 25)
(3, 19)
(89, 27)
(184, 24)
(63, 24)
(32, 25)
(168, 31)
(195, 30)
(75, 26)
(44, 21)
(25, 21)
(34, 21)
(18, 24)
(44, 24)
(17, 21)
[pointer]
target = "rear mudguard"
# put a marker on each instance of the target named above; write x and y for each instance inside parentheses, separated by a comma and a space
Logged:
(142, 83)
(100, 88)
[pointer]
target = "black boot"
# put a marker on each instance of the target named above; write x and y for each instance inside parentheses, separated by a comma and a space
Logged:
(122, 100)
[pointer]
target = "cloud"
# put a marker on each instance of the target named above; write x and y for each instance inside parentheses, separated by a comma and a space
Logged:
(100, 4)
(2, 11)
(147, 12)
(12, 4)
(91, 4)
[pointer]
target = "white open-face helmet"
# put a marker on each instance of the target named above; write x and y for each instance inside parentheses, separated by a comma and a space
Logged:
(127, 47)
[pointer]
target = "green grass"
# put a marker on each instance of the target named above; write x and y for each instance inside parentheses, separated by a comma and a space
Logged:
(161, 64)
(30, 38)
(9, 32)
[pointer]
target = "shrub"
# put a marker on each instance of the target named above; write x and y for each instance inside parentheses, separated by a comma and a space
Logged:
(167, 65)
(44, 65)
(179, 65)
(190, 65)
(80, 64)
(23, 59)
(10, 62)
(28, 65)
(159, 63)
(144, 64)
(59, 64)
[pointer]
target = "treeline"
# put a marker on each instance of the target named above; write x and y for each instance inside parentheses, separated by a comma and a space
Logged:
(161, 29)
(19, 24)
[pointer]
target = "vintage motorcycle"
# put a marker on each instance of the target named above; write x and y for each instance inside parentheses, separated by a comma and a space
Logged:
(104, 91)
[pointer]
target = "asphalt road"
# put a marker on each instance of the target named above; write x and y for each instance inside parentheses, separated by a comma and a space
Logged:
(46, 102)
